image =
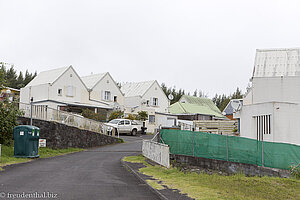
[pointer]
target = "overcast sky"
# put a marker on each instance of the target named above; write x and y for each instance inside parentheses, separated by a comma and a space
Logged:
(208, 45)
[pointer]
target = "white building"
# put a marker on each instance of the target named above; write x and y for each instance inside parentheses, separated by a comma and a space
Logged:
(61, 89)
(271, 107)
(102, 88)
(145, 96)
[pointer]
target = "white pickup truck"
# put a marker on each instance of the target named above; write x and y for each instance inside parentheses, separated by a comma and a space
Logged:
(124, 126)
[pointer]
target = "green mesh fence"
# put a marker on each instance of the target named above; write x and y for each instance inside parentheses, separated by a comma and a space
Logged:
(242, 150)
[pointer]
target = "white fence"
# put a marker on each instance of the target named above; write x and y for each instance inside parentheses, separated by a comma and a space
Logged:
(157, 152)
(43, 112)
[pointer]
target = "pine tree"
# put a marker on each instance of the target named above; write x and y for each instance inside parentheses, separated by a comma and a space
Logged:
(20, 81)
(11, 77)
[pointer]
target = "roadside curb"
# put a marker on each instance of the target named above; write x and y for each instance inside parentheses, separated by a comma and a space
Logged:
(160, 195)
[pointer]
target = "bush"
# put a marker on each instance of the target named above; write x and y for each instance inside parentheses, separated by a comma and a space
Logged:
(295, 171)
(8, 120)
(116, 115)
(131, 117)
(87, 113)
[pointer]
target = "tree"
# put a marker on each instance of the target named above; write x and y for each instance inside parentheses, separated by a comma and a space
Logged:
(8, 120)
(195, 93)
(142, 116)
(11, 77)
(20, 81)
(2, 79)
(221, 101)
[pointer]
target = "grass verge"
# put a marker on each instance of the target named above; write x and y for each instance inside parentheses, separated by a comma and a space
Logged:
(204, 186)
(7, 154)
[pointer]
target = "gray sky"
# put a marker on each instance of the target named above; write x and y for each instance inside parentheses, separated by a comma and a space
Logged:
(208, 45)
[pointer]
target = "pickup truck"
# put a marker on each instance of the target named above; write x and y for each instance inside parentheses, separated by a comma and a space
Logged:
(124, 126)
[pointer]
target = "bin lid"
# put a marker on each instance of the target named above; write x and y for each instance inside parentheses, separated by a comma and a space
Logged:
(26, 127)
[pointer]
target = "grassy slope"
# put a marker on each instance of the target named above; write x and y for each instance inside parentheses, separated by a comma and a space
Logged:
(7, 154)
(204, 186)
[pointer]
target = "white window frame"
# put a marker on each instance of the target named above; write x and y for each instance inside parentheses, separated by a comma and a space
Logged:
(107, 96)
(154, 101)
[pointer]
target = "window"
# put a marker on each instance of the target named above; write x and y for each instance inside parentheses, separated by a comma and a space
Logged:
(59, 92)
(107, 96)
(127, 122)
(70, 91)
(151, 118)
(154, 101)
(115, 98)
(121, 122)
(263, 126)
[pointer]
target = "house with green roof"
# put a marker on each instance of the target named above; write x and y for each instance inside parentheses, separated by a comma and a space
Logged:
(196, 108)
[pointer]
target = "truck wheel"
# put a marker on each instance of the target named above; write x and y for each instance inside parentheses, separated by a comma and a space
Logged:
(133, 132)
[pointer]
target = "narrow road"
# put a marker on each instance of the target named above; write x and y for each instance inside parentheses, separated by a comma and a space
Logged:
(94, 174)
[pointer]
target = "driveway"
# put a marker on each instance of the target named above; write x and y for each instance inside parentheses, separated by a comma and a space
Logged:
(93, 174)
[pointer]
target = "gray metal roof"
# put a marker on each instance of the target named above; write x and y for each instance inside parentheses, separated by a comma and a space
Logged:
(277, 62)
(91, 80)
(47, 76)
(136, 89)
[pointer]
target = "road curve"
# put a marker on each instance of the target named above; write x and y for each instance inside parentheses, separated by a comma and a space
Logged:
(93, 174)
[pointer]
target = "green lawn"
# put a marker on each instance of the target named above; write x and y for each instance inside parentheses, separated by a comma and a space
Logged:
(7, 154)
(204, 186)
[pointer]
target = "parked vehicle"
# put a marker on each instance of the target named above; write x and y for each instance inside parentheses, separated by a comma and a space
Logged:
(124, 126)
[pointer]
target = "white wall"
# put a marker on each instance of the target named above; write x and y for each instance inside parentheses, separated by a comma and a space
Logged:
(69, 78)
(38, 92)
(163, 102)
(108, 84)
(165, 120)
(267, 89)
(157, 152)
(285, 124)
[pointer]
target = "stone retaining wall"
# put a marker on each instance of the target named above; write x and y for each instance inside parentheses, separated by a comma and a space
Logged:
(226, 167)
(60, 136)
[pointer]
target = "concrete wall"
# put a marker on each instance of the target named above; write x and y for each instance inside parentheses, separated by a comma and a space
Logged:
(60, 136)
(157, 152)
(189, 162)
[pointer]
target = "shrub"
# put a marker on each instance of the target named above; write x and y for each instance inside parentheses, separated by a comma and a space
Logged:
(8, 120)
(87, 113)
(295, 171)
(131, 117)
(115, 115)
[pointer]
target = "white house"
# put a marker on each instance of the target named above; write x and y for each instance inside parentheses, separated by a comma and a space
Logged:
(145, 96)
(102, 88)
(61, 89)
(271, 107)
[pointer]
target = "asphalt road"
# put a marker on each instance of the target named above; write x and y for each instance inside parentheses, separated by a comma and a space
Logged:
(93, 174)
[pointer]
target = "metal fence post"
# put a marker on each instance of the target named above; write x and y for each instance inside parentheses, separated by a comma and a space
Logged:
(31, 105)
(262, 153)
(227, 149)
(194, 143)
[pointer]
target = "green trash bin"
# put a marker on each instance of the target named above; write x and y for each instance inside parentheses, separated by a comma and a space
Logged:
(26, 141)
